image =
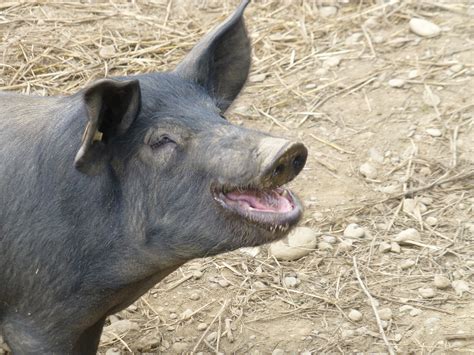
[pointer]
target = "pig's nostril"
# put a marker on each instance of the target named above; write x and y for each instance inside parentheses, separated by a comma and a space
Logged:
(278, 170)
(298, 163)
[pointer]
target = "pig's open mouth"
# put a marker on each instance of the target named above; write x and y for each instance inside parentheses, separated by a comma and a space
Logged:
(272, 209)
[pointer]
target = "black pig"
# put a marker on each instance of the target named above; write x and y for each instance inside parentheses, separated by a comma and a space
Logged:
(105, 192)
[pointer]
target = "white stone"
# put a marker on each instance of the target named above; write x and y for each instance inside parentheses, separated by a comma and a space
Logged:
(434, 132)
(406, 264)
(252, 251)
(415, 312)
(300, 242)
(291, 281)
(430, 98)
(332, 62)
(456, 68)
(410, 234)
(405, 308)
(121, 326)
(441, 282)
(355, 315)
(257, 78)
(424, 28)
(409, 205)
(329, 239)
(347, 333)
(353, 230)
(385, 247)
(378, 39)
(202, 326)
(375, 155)
(395, 248)
(412, 74)
(396, 83)
(211, 337)
(107, 51)
(354, 38)
(427, 292)
(113, 351)
(385, 313)
(188, 313)
(431, 221)
(368, 170)
(278, 352)
(223, 283)
(327, 11)
(460, 286)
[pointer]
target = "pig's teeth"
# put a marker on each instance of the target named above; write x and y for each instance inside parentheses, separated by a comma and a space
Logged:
(285, 193)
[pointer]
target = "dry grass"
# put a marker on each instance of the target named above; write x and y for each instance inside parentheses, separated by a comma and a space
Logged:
(57, 48)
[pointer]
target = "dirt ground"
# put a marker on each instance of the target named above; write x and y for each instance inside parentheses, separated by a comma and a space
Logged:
(327, 80)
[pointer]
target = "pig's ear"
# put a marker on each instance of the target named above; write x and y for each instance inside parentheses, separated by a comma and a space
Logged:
(220, 62)
(111, 108)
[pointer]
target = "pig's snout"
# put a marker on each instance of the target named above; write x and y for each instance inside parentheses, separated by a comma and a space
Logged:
(282, 160)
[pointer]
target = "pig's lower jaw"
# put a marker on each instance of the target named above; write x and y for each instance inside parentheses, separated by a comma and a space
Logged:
(275, 210)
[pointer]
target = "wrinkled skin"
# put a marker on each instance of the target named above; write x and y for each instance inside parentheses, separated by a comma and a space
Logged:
(105, 192)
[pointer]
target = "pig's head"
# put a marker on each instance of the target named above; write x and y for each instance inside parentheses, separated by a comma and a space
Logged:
(193, 184)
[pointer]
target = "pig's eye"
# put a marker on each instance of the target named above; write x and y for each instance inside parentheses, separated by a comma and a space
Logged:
(163, 140)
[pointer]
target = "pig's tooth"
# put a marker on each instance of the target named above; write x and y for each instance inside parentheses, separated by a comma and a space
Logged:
(285, 193)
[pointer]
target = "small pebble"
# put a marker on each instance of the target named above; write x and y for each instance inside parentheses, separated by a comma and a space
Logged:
(395, 248)
(300, 242)
(460, 286)
(107, 51)
(318, 216)
(378, 39)
(187, 314)
(259, 285)
(194, 296)
(456, 68)
(179, 347)
(427, 292)
(385, 313)
(327, 11)
(396, 83)
(375, 155)
(406, 264)
(257, 78)
(434, 132)
(410, 234)
(223, 283)
(424, 28)
(431, 221)
(384, 324)
(397, 337)
(368, 170)
(405, 308)
(441, 282)
(324, 246)
(173, 316)
(291, 281)
(202, 326)
(113, 351)
(355, 315)
(252, 251)
(354, 38)
(332, 62)
(385, 247)
(329, 239)
(353, 230)
(211, 337)
(415, 312)
(431, 99)
(197, 274)
(347, 333)
(412, 74)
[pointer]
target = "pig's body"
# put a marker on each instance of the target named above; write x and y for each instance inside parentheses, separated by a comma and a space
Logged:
(104, 193)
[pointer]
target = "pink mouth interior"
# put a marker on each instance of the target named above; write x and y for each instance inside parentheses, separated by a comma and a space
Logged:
(263, 201)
